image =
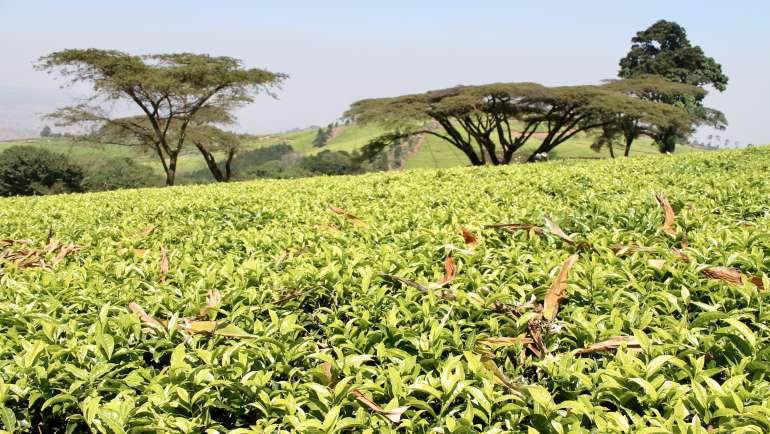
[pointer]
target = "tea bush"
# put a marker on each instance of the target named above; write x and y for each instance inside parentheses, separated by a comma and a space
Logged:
(390, 303)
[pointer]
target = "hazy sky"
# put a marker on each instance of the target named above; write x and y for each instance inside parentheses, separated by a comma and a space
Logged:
(339, 51)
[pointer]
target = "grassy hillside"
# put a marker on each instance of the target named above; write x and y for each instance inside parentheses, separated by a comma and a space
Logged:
(432, 153)
(255, 307)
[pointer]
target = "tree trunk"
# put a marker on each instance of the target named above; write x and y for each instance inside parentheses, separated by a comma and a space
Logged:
(228, 164)
(544, 147)
(171, 171)
(629, 140)
(211, 162)
(612, 149)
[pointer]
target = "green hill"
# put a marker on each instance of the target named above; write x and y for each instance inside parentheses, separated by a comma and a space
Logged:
(431, 152)
(387, 302)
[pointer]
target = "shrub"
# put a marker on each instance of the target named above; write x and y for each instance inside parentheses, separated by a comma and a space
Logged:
(330, 163)
(29, 171)
(119, 173)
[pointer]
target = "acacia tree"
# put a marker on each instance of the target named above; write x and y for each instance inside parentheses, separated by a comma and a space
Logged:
(481, 121)
(203, 134)
(633, 121)
(210, 140)
(664, 49)
(170, 92)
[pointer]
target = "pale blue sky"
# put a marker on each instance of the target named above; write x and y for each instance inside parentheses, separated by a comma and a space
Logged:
(339, 51)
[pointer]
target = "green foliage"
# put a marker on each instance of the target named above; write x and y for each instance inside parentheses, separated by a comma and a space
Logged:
(323, 136)
(27, 171)
(118, 173)
(481, 120)
(331, 163)
(45, 132)
(314, 320)
(663, 49)
(251, 164)
(173, 94)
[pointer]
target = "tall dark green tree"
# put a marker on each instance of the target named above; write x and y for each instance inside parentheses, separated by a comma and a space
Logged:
(664, 49)
(169, 91)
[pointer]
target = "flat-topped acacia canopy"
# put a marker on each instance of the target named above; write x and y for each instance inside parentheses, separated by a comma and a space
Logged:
(173, 93)
(478, 119)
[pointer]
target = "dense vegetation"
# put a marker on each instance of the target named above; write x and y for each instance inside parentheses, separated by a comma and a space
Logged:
(35, 171)
(285, 155)
(558, 297)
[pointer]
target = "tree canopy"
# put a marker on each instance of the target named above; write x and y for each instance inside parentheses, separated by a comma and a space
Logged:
(489, 123)
(663, 49)
(172, 93)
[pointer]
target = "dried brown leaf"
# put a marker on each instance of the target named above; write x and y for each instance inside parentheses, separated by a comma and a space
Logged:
(656, 263)
(631, 342)
(163, 264)
(535, 331)
(143, 316)
(556, 230)
(668, 214)
(329, 228)
(51, 245)
(757, 280)
(25, 258)
(450, 272)
(212, 300)
(7, 242)
(468, 236)
(353, 218)
(64, 251)
(393, 415)
(681, 255)
(326, 367)
(147, 230)
(558, 289)
(729, 275)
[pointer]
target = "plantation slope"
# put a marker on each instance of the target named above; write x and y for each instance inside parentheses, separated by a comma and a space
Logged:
(434, 153)
(352, 319)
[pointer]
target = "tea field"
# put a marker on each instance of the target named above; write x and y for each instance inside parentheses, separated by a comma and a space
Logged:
(625, 295)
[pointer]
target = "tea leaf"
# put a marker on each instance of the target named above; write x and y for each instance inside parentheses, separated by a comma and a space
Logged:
(615, 342)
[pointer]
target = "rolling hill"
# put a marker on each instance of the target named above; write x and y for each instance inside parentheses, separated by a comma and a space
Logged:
(431, 152)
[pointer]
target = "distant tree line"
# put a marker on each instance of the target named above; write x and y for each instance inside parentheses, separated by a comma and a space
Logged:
(184, 102)
(659, 94)
(32, 171)
(46, 133)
